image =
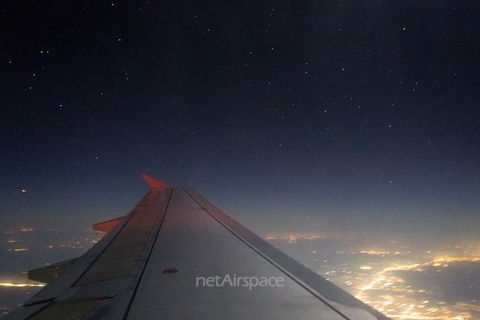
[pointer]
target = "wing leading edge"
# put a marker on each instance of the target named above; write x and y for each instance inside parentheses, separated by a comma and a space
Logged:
(157, 262)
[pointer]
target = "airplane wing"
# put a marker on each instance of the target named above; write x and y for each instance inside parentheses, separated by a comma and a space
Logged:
(178, 256)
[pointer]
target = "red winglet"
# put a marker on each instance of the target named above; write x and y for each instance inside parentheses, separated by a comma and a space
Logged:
(154, 184)
(106, 226)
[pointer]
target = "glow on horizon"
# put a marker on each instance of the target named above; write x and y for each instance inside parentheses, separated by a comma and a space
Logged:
(8, 284)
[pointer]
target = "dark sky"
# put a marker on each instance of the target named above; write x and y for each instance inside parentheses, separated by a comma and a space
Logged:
(293, 116)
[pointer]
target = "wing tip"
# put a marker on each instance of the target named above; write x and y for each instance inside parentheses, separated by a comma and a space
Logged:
(153, 183)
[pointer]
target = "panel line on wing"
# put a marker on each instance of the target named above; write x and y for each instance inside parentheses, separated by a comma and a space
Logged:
(39, 310)
(160, 223)
(39, 302)
(122, 258)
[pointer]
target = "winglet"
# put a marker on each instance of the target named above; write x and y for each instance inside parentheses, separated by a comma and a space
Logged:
(154, 184)
(106, 226)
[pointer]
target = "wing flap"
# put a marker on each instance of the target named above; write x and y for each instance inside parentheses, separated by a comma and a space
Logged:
(64, 281)
(68, 310)
(24, 312)
(48, 273)
(98, 290)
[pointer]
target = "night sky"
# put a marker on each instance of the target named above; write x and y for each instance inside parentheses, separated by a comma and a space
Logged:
(354, 117)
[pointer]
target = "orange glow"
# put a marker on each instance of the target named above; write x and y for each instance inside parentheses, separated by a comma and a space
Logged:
(7, 284)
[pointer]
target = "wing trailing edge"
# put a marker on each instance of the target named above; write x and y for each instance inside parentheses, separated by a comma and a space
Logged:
(50, 272)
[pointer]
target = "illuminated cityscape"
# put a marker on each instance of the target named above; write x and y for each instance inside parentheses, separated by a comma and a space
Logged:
(403, 281)
(423, 281)
(27, 248)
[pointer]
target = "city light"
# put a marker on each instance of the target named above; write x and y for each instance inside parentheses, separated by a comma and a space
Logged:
(379, 274)
(8, 284)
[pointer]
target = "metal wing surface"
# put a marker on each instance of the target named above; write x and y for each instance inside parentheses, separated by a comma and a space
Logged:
(178, 256)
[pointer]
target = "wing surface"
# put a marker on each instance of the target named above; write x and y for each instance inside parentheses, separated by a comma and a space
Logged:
(178, 256)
